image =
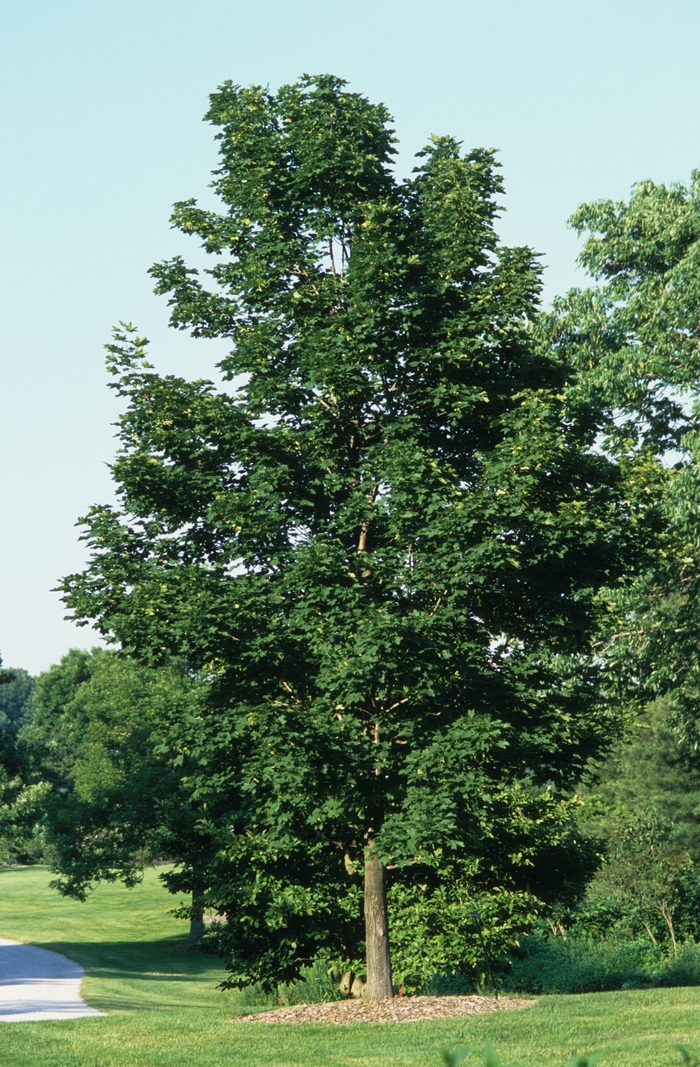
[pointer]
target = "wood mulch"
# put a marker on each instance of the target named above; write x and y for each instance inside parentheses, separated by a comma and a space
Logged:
(394, 1010)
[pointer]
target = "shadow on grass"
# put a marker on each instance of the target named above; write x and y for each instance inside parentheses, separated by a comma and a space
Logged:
(139, 955)
(144, 975)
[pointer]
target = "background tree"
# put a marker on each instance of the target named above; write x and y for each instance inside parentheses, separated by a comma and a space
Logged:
(21, 799)
(383, 543)
(648, 773)
(16, 698)
(644, 874)
(635, 338)
(116, 800)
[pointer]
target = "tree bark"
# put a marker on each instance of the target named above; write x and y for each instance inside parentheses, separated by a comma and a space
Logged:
(196, 919)
(376, 930)
(668, 916)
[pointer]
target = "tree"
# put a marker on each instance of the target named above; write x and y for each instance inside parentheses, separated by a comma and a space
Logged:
(382, 543)
(650, 771)
(635, 337)
(20, 799)
(644, 874)
(115, 797)
(16, 698)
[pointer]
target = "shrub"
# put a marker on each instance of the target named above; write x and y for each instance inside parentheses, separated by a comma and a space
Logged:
(553, 965)
(316, 987)
(684, 969)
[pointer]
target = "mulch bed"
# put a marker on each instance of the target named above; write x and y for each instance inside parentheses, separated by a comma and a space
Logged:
(394, 1010)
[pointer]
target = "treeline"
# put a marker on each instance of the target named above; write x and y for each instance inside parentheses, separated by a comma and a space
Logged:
(407, 608)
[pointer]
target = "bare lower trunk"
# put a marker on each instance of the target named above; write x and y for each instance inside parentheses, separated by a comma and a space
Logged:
(196, 919)
(376, 930)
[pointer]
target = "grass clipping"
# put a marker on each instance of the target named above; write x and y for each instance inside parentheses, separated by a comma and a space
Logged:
(391, 1010)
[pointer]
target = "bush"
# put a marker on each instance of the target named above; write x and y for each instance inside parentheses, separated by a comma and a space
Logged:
(553, 965)
(254, 996)
(684, 969)
(435, 940)
(316, 987)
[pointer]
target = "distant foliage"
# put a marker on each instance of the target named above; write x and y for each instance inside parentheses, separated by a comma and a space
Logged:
(115, 795)
(17, 689)
(21, 795)
(651, 771)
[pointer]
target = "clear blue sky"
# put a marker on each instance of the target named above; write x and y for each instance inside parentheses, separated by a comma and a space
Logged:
(101, 131)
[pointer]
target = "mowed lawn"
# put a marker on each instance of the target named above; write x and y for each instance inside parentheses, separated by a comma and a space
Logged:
(164, 1007)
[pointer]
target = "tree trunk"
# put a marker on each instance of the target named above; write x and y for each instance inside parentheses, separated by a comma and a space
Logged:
(196, 919)
(668, 916)
(376, 930)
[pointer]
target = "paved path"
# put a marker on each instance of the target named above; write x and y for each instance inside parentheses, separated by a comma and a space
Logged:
(36, 984)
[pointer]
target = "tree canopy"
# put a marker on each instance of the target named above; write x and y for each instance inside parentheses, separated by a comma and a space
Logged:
(382, 544)
(116, 799)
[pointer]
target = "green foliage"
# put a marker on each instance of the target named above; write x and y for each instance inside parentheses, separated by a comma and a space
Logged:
(651, 771)
(452, 1059)
(634, 338)
(115, 796)
(315, 985)
(21, 809)
(554, 965)
(21, 800)
(16, 698)
(435, 943)
(384, 549)
(652, 634)
(547, 965)
(644, 873)
(660, 640)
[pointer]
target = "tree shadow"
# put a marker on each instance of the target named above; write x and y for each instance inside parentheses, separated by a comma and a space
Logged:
(137, 968)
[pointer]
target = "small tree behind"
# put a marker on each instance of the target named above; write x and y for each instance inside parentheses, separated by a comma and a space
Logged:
(644, 873)
(116, 799)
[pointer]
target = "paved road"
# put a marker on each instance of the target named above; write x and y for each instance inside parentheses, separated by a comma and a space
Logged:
(36, 984)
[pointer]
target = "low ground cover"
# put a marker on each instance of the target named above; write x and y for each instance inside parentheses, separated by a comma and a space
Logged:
(164, 1009)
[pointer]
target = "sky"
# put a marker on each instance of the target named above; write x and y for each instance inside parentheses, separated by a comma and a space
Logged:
(101, 131)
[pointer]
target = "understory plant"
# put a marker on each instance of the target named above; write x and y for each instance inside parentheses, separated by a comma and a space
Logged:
(546, 965)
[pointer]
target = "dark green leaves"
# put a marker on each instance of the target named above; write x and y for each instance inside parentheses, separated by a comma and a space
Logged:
(383, 551)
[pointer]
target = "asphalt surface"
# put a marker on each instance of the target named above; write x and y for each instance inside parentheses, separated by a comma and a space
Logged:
(36, 984)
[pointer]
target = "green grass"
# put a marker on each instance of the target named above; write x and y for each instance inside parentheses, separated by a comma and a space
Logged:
(165, 1010)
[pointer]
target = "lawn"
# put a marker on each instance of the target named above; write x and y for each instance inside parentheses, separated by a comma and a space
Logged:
(164, 1008)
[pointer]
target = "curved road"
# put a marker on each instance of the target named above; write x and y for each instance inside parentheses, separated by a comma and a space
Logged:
(36, 984)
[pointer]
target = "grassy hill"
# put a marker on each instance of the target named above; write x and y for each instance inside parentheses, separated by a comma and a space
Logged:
(165, 1009)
